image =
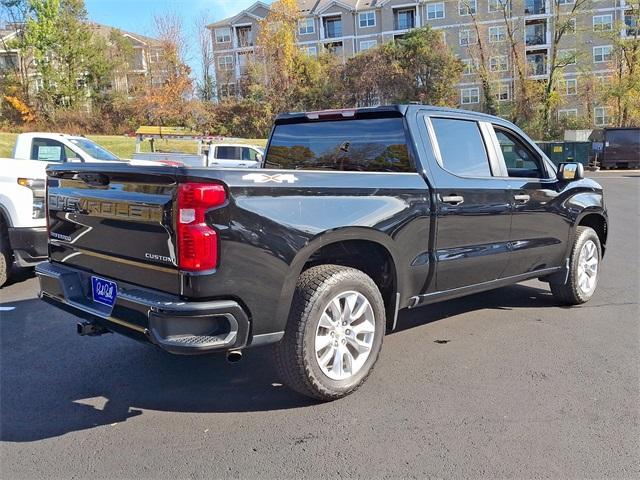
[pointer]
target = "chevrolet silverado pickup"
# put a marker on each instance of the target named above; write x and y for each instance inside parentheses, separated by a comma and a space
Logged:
(356, 215)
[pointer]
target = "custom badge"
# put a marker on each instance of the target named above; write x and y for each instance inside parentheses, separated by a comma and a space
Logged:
(276, 178)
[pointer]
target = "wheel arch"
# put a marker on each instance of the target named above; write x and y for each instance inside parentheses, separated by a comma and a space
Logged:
(597, 220)
(365, 249)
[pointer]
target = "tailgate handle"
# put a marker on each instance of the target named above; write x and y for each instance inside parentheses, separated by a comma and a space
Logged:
(95, 179)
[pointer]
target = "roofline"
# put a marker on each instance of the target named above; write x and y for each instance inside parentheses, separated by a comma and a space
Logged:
(331, 4)
(229, 20)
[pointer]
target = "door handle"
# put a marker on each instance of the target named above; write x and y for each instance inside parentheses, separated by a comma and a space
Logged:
(453, 199)
(522, 198)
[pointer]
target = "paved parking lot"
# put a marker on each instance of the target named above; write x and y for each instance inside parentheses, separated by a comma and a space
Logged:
(500, 384)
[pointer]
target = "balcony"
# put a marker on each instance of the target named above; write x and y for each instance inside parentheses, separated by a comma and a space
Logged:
(535, 7)
(243, 37)
(332, 27)
(537, 63)
(334, 48)
(404, 19)
(536, 33)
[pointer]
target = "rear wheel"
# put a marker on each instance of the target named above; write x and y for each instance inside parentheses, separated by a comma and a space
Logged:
(334, 333)
(6, 257)
(584, 268)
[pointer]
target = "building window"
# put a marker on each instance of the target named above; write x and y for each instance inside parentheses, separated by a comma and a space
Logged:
(227, 90)
(631, 23)
(469, 66)
(467, 37)
(602, 54)
(367, 44)
(306, 26)
(244, 37)
(404, 19)
(499, 63)
(469, 95)
(332, 27)
(467, 7)
(435, 11)
(223, 35)
(570, 86)
(603, 79)
(225, 62)
(566, 2)
(367, 19)
(497, 34)
(334, 48)
(497, 5)
(602, 23)
(310, 50)
(568, 57)
(504, 92)
(534, 7)
(537, 63)
(535, 32)
(601, 117)
(567, 113)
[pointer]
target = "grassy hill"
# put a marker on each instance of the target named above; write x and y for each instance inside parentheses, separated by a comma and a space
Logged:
(124, 146)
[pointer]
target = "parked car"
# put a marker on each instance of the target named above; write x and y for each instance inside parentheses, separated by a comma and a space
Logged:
(359, 214)
(217, 156)
(23, 231)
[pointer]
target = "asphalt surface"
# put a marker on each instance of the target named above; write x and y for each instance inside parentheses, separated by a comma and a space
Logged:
(504, 384)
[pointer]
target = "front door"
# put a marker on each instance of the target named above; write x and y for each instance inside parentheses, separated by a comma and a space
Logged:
(539, 230)
(473, 207)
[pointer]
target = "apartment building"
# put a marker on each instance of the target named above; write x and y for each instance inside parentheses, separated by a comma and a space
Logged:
(347, 27)
(145, 65)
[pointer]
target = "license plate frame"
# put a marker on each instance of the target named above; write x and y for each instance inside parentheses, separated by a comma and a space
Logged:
(104, 291)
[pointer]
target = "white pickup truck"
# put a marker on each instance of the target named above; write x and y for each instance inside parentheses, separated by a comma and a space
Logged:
(23, 236)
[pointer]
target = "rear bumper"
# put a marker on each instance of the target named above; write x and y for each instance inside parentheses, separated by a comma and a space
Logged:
(29, 245)
(177, 326)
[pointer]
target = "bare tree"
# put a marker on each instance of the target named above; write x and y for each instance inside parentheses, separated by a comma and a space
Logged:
(563, 24)
(205, 81)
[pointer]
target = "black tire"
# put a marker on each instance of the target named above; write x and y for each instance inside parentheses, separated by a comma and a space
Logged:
(570, 293)
(295, 355)
(6, 257)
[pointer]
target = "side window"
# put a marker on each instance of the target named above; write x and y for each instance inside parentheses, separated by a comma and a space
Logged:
(519, 159)
(71, 154)
(462, 149)
(249, 154)
(228, 153)
(48, 150)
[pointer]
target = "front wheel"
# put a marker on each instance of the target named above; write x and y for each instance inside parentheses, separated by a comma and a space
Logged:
(584, 268)
(334, 332)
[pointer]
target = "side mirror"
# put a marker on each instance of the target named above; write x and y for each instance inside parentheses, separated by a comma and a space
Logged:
(259, 157)
(569, 172)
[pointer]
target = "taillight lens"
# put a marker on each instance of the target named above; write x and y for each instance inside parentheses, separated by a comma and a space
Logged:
(197, 241)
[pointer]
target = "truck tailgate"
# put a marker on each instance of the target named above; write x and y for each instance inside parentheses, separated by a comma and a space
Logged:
(116, 221)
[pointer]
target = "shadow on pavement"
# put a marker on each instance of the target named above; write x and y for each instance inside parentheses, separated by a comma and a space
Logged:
(53, 382)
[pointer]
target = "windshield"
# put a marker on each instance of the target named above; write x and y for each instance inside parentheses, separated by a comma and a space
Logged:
(94, 150)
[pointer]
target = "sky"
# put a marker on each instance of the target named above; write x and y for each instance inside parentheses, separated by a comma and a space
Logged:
(137, 15)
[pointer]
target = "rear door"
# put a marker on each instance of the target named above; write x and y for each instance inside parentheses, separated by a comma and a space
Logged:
(115, 221)
(539, 230)
(473, 207)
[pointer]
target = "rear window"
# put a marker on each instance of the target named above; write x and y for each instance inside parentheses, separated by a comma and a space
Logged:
(365, 145)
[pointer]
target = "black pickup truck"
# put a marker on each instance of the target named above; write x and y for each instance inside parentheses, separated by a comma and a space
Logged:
(356, 215)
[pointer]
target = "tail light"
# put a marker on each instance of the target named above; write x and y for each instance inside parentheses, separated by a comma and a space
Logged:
(197, 241)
